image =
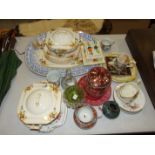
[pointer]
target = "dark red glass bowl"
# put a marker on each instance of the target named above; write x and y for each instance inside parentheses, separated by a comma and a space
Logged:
(98, 79)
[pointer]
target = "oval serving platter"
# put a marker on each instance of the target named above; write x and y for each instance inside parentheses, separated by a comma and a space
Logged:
(34, 65)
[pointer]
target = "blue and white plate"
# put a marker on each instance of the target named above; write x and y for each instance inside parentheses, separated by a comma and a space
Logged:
(33, 64)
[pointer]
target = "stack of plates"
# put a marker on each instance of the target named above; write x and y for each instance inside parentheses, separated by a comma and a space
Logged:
(40, 107)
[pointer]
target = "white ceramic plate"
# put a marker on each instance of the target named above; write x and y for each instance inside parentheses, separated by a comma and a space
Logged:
(135, 106)
(57, 122)
(39, 103)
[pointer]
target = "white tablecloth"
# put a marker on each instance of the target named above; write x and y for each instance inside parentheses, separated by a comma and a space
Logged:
(125, 123)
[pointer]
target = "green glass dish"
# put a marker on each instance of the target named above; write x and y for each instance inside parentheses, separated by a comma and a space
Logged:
(111, 109)
(73, 96)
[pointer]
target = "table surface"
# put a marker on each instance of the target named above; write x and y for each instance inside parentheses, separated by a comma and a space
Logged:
(142, 121)
(141, 43)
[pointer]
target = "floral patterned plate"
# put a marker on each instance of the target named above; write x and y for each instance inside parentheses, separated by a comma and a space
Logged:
(59, 121)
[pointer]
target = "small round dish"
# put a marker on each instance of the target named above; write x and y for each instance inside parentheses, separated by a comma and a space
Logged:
(111, 109)
(85, 117)
(73, 96)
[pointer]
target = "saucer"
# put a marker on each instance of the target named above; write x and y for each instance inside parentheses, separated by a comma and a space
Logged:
(135, 105)
(89, 99)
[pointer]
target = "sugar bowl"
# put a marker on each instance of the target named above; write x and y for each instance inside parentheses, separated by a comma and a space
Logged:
(98, 79)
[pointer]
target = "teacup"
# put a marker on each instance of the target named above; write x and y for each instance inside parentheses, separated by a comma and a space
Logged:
(106, 44)
(122, 61)
(129, 91)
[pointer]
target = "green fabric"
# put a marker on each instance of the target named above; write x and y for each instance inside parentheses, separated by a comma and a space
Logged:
(9, 63)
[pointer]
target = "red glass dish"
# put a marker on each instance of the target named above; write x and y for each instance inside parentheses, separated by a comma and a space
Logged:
(91, 100)
(99, 78)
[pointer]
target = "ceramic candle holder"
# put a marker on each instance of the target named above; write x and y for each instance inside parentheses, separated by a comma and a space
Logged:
(85, 114)
(85, 117)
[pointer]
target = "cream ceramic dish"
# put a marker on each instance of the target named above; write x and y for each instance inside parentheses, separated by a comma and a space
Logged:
(62, 40)
(39, 103)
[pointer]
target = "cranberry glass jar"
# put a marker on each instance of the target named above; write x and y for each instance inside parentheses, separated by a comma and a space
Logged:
(97, 80)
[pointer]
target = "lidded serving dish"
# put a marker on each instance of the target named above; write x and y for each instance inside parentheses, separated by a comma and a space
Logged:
(62, 41)
(61, 46)
(39, 103)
